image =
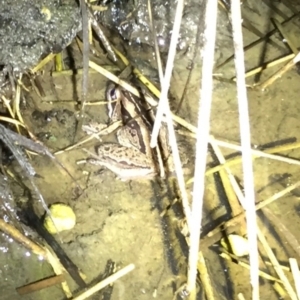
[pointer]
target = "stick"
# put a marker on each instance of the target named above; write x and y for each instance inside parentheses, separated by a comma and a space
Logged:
(246, 145)
(105, 282)
(39, 285)
(19, 237)
(202, 139)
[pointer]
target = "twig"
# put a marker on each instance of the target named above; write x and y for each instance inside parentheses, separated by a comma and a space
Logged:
(202, 138)
(249, 205)
(105, 282)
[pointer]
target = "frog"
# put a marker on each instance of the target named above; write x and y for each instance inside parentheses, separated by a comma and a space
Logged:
(132, 157)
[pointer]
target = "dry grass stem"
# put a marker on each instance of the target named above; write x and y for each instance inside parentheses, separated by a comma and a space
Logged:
(268, 65)
(276, 265)
(114, 78)
(296, 274)
(73, 72)
(58, 270)
(282, 230)
(237, 219)
(96, 103)
(246, 266)
(278, 195)
(241, 297)
(279, 73)
(256, 154)
(203, 125)
(17, 104)
(105, 131)
(7, 105)
(205, 279)
(42, 63)
(156, 47)
(244, 121)
(163, 104)
(235, 206)
(109, 280)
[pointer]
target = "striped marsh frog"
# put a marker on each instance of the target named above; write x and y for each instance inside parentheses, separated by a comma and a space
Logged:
(132, 157)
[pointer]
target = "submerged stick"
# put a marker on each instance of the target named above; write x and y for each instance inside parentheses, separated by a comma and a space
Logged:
(39, 285)
(19, 237)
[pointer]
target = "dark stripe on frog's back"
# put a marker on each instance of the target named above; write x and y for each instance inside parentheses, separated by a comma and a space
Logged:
(142, 133)
(139, 110)
(136, 118)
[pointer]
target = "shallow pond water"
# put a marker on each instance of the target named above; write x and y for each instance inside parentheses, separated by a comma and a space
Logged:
(123, 221)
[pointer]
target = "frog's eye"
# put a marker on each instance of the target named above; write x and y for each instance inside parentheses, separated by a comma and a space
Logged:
(113, 95)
